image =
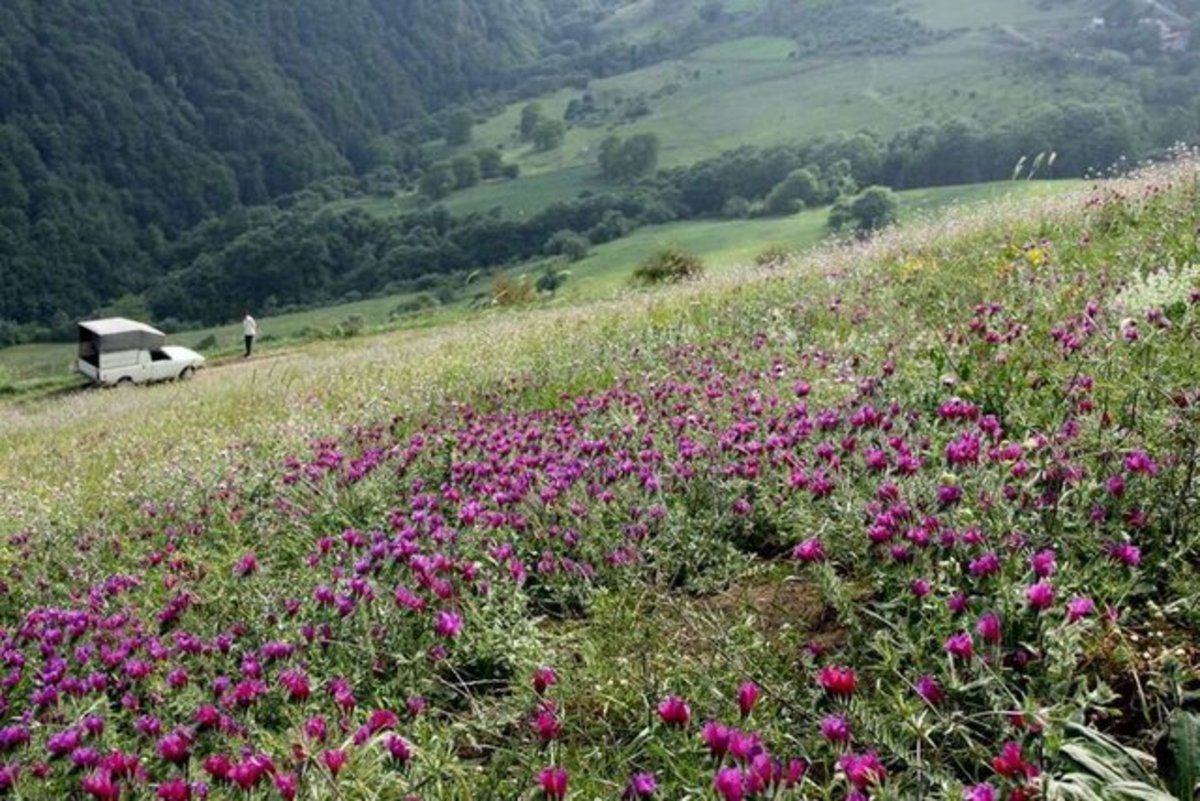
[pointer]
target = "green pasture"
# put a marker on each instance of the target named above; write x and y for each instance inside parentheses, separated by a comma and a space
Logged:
(751, 91)
(720, 243)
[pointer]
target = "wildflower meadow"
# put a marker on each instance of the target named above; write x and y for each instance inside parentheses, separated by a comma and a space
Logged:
(915, 518)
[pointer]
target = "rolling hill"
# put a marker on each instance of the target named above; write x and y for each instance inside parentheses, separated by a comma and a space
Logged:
(192, 196)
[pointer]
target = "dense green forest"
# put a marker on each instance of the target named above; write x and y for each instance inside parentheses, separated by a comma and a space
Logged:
(125, 123)
(185, 162)
(283, 257)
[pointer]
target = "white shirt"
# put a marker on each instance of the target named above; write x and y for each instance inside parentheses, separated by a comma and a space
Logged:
(249, 326)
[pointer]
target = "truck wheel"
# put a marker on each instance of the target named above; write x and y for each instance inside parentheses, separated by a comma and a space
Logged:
(187, 373)
(124, 381)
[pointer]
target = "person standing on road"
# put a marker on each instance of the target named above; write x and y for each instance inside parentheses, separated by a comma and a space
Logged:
(249, 332)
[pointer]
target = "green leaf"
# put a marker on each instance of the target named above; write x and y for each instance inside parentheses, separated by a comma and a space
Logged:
(1179, 754)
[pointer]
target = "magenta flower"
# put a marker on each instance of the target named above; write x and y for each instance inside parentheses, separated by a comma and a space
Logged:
(980, 792)
(958, 603)
(949, 494)
(862, 770)
(448, 624)
(985, 565)
(747, 697)
(836, 729)
(415, 705)
(554, 782)
(101, 786)
(1040, 595)
(63, 742)
(837, 680)
(218, 766)
(381, 720)
(1011, 764)
(315, 729)
(247, 565)
(989, 627)
(928, 688)
(674, 711)
(543, 677)
(1140, 462)
(728, 784)
(920, 587)
(641, 785)
(8, 776)
(398, 748)
(174, 790)
(744, 746)
(335, 760)
(85, 757)
(960, 645)
(809, 551)
(288, 785)
(1079, 608)
(546, 723)
(1043, 563)
(1127, 554)
(716, 737)
(176, 747)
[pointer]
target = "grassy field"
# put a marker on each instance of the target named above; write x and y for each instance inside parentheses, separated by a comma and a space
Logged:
(750, 91)
(910, 518)
(722, 244)
(729, 244)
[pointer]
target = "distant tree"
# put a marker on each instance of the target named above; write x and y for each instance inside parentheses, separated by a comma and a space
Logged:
(490, 162)
(466, 171)
(712, 11)
(437, 181)
(624, 160)
(736, 208)
(551, 279)
(873, 208)
(549, 134)
(609, 157)
(1122, 13)
(510, 171)
(613, 225)
(531, 115)
(799, 189)
(569, 244)
(668, 265)
(458, 127)
(641, 154)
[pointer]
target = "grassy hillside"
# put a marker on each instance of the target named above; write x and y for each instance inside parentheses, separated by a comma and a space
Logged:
(752, 91)
(910, 518)
(722, 244)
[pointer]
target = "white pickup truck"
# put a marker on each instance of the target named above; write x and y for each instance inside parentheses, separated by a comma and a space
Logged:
(115, 351)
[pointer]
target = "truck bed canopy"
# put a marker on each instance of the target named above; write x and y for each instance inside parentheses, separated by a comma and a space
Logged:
(113, 334)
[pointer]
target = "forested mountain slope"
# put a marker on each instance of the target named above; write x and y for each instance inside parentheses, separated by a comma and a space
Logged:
(176, 161)
(127, 120)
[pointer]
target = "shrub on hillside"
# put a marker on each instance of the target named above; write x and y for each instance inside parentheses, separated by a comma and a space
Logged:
(669, 265)
(419, 302)
(873, 208)
(569, 244)
(773, 256)
(352, 326)
(736, 208)
(509, 291)
(551, 279)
